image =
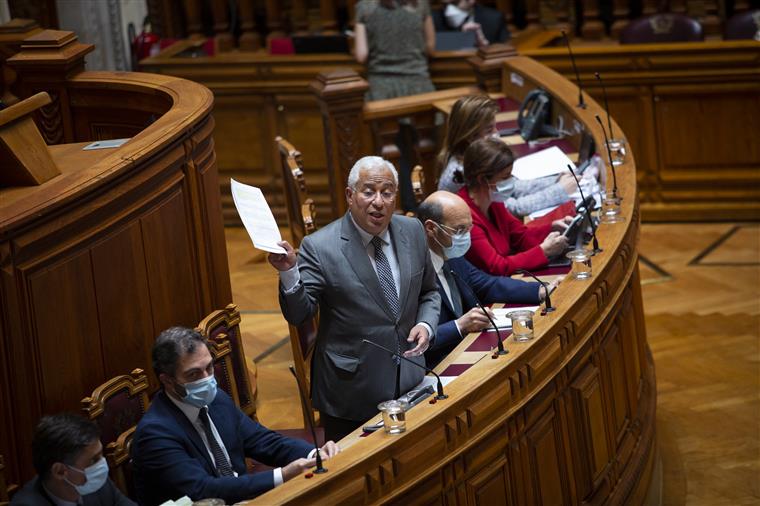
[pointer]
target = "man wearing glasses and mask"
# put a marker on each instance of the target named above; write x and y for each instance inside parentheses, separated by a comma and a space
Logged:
(447, 221)
(369, 276)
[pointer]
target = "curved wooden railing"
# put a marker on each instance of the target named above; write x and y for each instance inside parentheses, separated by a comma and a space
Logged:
(566, 418)
(122, 244)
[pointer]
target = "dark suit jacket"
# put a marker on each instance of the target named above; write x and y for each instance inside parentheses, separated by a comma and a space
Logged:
(491, 22)
(170, 459)
(33, 494)
(349, 378)
(488, 288)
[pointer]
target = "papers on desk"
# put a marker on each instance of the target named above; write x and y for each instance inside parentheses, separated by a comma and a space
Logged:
(501, 319)
(112, 143)
(257, 217)
(547, 162)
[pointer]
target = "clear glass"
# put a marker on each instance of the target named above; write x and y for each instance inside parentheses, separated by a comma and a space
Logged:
(581, 263)
(394, 416)
(522, 325)
(610, 209)
(617, 150)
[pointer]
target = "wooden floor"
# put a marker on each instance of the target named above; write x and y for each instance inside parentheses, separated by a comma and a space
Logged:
(702, 304)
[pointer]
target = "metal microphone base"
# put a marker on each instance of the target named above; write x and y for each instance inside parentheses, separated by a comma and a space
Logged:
(320, 470)
(501, 352)
(546, 310)
(441, 397)
(582, 105)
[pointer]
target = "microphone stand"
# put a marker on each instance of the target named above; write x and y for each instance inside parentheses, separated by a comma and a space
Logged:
(581, 103)
(597, 249)
(609, 157)
(548, 308)
(499, 345)
(606, 106)
(439, 386)
(320, 468)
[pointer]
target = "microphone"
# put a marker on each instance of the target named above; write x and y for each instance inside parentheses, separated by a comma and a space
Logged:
(581, 103)
(548, 308)
(597, 249)
(499, 345)
(609, 156)
(439, 387)
(320, 468)
(606, 106)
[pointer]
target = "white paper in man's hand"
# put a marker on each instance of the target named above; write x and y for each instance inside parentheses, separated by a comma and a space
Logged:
(547, 162)
(257, 217)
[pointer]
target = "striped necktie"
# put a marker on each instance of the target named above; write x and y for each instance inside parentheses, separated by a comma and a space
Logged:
(222, 464)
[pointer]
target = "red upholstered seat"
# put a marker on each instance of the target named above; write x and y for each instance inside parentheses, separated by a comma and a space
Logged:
(743, 25)
(663, 27)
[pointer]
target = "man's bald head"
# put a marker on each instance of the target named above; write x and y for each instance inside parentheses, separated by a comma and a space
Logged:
(447, 210)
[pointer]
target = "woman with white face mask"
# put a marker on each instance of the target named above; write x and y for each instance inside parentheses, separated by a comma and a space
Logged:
(500, 243)
(473, 118)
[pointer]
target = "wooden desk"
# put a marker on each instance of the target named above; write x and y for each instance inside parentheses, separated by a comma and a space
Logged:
(97, 261)
(566, 418)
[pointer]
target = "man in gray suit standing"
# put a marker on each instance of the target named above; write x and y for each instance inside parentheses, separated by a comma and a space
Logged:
(369, 275)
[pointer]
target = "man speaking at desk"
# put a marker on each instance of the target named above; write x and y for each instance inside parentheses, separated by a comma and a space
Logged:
(369, 276)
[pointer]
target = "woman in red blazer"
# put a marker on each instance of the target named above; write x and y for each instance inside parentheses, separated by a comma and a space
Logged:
(502, 244)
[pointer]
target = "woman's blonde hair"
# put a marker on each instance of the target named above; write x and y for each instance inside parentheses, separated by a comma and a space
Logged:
(469, 116)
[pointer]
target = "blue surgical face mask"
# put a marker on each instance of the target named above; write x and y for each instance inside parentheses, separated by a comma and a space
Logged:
(504, 190)
(96, 476)
(201, 392)
(460, 243)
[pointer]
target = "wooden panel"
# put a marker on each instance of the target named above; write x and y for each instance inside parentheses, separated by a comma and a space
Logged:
(165, 229)
(545, 443)
(66, 292)
(489, 486)
(124, 306)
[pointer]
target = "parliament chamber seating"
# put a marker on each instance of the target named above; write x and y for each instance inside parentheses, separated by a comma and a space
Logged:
(116, 406)
(567, 418)
(743, 25)
(664, 27)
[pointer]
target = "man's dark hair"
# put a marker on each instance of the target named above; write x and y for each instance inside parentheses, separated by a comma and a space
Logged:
(430, 210)
(61, 438)
(171, 344)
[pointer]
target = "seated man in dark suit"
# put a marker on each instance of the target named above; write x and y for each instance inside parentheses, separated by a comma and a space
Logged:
(447, 222)
(468, 15)
(71, 469)
(193, 440)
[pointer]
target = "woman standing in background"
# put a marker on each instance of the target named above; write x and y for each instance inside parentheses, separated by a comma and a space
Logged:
(394, 38)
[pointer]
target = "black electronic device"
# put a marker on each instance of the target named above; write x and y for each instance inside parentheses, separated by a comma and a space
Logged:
(548, 308)
(587, 208)
(301, 389)
(534, 116)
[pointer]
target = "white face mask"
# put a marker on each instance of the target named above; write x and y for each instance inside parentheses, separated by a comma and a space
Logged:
(455, 16)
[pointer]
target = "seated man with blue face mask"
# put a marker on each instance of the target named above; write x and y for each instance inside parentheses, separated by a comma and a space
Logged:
(194, 440)
(71, 469)
(447, 221)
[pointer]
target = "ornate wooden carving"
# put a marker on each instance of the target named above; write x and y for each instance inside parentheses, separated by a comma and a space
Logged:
(340, 95)
(488, 63)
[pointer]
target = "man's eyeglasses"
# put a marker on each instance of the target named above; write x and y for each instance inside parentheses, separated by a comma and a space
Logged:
(386, 195)
(454, 231)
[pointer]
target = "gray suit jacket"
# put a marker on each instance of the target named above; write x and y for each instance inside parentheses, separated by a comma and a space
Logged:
(350, 378)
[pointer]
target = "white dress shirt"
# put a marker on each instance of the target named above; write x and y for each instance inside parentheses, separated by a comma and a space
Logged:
(437, 261)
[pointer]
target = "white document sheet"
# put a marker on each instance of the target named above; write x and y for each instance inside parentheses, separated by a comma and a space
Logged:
(500, 315)
(257, 217)
(547, 162)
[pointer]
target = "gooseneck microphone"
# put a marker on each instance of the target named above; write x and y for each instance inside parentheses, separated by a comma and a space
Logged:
(609, 156)
(548, 308)
(439, 386)
(581, 103)
(499, 345)
(597, 249)
(606, 105)
(301, 389)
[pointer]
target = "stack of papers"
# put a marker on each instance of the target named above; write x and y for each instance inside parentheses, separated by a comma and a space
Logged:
(548, 162)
